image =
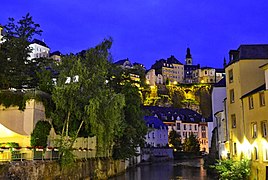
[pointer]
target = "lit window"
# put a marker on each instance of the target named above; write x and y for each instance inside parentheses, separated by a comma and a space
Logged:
(231, 77)
(233, 119)
(264, 128)
(254, 130)
(250, 102)
(231, 96)
(262, 99)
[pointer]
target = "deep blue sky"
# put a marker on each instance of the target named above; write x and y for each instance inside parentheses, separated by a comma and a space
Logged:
(147, 30)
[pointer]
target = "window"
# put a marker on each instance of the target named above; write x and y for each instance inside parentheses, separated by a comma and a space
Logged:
(203, 128)
(178, 126)
(254, 130)
(195, 127)
(203, 135)
(190, 127)
(264, 128)
(233, 119)
(265, 154)
(250, 102)
(231, 77)
(235, 149)
(232, 96)
(184, 126)
(256, 153)
(262, 99)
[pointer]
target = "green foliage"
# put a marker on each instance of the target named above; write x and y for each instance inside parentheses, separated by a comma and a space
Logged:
(134, 126)
(40, 133)
(16, 70)
(191, 144)
(233, 170)
(174, 140)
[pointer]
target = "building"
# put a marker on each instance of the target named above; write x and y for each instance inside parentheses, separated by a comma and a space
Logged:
(189, 68)
(246, 113)
(157, 135)
(1, 34)
(39, 49)
(56, 56)
(218, 96)
(184, 122)
(172, 70)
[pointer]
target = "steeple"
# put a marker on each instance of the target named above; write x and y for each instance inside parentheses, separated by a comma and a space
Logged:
(224, 63)
(188, 60)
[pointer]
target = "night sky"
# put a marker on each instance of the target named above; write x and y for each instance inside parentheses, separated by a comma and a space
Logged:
(147, 30)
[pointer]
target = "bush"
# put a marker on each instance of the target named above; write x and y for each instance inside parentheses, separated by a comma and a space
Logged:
(233, 170)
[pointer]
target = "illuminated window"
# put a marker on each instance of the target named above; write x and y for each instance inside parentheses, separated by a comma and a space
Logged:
(250, 102)
(264, 128)
(254, 130)
(233, 119)
(232, 96)
(262, 99)
(231, 77)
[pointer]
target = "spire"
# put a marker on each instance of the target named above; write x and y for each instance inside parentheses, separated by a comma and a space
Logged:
(188, 55)
(224, 63)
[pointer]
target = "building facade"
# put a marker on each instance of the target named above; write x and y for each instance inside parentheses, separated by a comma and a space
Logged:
(39, 49)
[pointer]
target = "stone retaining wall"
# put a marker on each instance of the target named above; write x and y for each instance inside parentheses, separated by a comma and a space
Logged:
(95, 168)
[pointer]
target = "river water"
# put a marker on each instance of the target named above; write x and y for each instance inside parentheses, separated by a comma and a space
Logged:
(172, 170)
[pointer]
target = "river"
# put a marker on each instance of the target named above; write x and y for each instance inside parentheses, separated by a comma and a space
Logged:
(172, 170)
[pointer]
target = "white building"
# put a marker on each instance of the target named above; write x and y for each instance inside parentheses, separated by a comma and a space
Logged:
(39, 49)
(158, 132)
(217, 97)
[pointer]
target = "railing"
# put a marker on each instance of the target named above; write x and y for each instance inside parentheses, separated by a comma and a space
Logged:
(21, 154)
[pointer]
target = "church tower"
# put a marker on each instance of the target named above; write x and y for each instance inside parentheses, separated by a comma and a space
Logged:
(188, 60)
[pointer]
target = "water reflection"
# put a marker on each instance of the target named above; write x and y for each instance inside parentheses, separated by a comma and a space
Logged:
(184, 170)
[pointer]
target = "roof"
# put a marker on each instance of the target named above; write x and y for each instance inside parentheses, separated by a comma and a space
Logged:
(56, 53)
(258, 89)
(173, 60)
(36, 41)
(221, 83)
(154, 120)
(121, 62)
(170, 114)
(253, 51)
(220, 70)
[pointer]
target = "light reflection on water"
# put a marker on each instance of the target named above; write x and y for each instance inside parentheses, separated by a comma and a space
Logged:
(181, 170)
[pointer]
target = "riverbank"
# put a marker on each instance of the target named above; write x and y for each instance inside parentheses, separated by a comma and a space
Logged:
(94, 168)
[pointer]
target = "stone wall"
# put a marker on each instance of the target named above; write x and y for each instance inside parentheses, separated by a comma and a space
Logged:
(95, 168)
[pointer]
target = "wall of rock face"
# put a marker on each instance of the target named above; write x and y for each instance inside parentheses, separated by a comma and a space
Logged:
(95, 168)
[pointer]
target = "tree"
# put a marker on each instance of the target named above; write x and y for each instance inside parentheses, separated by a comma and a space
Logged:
(134, 130)
(40, 134)
(191, 144)
(16, 69)
(174, 140)
(229, 169)
(85, 104)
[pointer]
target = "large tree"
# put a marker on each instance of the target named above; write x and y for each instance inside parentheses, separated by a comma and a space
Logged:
(191, 144)
(175, 140)
(85, 104)
(16, 69)
(134, 126)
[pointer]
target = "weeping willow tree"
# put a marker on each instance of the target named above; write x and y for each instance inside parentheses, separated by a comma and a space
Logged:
(85, 104)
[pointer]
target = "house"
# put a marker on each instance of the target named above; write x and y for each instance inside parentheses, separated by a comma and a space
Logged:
(218, 97)
(245, 106)
(39, 49)
(158, 132)
(184, 122)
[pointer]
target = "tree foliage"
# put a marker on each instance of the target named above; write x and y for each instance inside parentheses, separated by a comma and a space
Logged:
(191, 144)
(174, 140)
(229, 169)
(134, 128)
(16, 69)
(40, 133)
(85, 104)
